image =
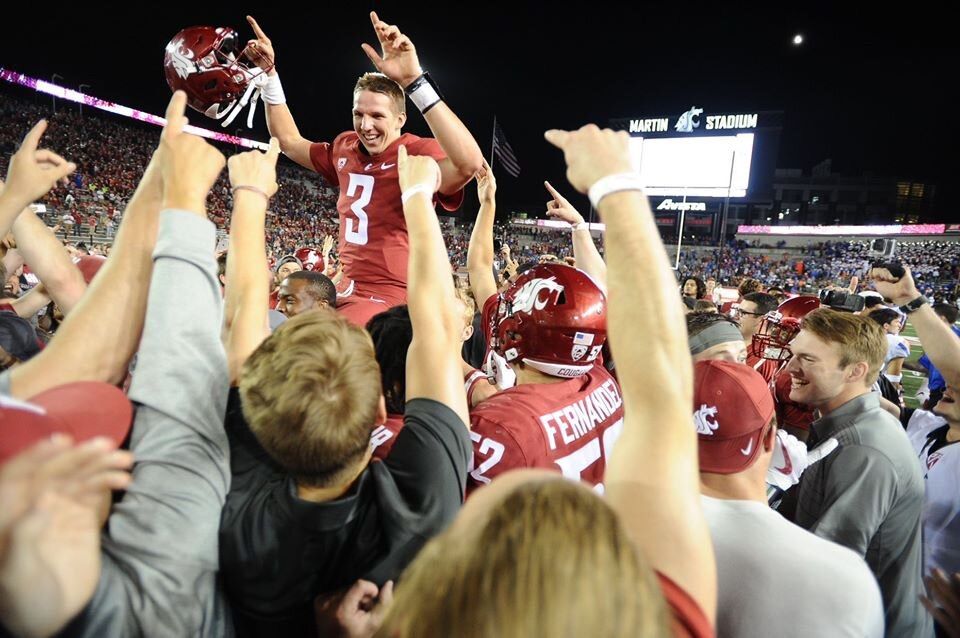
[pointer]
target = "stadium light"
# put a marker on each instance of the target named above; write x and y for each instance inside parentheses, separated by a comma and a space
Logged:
(81, 90)
(54, 80)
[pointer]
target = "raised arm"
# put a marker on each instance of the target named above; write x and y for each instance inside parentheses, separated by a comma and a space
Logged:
(98, 339)
(182, 473)
(280, 121)
(398, 61)
(652, 478)
(939, 342)
(433, 360)
(585, 252)
(480, 250)
(45, 255)
(31, 174)
(253, 178)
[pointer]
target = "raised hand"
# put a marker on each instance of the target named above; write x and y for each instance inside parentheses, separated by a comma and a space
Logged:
(419, 172)
(189, 164)
(486, 184)
(260, 50)
(560, 208)
(592, 153)
(398, 58)
(899, 290)
(32, 171)
(255, 169)
(327, 245)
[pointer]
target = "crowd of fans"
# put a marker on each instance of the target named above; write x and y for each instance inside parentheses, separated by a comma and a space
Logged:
(111, 155)
(194, 443)
(936, 265)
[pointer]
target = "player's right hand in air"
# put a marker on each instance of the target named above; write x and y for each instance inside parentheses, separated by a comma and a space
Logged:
(260, 50)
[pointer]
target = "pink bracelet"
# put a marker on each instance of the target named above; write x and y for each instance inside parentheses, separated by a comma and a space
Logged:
(252, 189)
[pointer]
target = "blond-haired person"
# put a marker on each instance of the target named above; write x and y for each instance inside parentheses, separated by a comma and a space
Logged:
(308, 512)
(868, 495)
(373, 243)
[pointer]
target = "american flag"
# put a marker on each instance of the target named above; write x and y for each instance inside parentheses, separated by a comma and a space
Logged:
(503, 151)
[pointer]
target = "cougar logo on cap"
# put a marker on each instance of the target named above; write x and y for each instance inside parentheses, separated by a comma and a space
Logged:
(701, 418)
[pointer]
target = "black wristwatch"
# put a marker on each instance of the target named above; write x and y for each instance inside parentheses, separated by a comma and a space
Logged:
(914, 305)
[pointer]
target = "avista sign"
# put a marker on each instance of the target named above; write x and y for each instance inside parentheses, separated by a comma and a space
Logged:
(669, 204)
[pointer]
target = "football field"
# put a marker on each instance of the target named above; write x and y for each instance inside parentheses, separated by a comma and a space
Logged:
(912, 380)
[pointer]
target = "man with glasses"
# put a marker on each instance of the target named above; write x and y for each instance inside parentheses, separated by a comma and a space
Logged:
(750, 313)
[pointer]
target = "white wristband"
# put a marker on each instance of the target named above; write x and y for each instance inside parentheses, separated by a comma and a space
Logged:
(426, 189)
(894, 378)
(580, 226)
(424, 96)
(613, 184)
(272, 91)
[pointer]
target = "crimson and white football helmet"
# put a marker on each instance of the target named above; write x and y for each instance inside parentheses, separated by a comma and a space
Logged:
(310, 258)
(553, 318)
(779, 327)
(209, 64)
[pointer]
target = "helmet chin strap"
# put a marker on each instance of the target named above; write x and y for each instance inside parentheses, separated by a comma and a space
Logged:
(497, 369)
(250, 96)
(252, 90)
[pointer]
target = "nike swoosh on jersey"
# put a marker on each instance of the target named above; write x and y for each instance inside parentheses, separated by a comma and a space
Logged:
(386, 166)
(746, 451)
(787, 465)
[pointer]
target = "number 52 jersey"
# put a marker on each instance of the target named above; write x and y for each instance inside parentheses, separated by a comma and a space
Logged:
(373, 243)
(570, 426)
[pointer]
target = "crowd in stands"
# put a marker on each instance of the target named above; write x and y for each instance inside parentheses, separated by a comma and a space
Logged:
(566, 441)
(112, 154)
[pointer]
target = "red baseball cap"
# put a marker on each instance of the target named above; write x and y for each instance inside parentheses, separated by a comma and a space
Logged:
(732, 406)
(84, 410)
(89, 265)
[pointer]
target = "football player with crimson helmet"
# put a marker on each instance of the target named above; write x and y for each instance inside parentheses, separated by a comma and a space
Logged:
(373, 244)
(772, 342)
(566, 411)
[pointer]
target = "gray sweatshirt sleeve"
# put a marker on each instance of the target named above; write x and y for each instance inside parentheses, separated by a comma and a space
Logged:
(858, 494)
(160, 551)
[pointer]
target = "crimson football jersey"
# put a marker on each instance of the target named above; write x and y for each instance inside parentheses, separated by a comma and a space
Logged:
(384, 436)
(766, 367)
(569, 426)
(373, 243)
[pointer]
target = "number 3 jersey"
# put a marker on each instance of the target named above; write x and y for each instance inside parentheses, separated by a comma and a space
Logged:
(569, 426)
(373, 242)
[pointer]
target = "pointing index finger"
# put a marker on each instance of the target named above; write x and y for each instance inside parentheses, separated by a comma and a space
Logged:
(553, 192)
(174, 114)
(256, 28)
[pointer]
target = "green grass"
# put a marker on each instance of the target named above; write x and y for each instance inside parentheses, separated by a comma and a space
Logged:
(912, 380)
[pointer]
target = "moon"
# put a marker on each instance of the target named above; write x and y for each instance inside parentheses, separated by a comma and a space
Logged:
(798, 39)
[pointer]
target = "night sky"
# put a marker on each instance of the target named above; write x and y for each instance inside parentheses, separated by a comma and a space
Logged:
(868, 88)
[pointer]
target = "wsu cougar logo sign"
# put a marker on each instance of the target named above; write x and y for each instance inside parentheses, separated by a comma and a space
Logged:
(689, 120)
(181, 58)
(701, 419)
(531, 295)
